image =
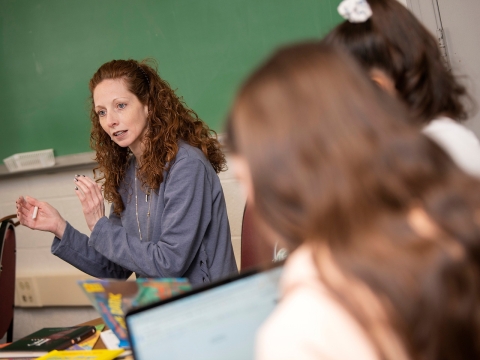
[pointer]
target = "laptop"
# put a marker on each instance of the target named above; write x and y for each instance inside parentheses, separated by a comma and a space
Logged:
(217, 321)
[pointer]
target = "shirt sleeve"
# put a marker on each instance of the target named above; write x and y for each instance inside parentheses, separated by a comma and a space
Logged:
(184, 221)
(73, 248)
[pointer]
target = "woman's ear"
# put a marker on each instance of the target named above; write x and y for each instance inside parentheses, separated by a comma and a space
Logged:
(384, 81)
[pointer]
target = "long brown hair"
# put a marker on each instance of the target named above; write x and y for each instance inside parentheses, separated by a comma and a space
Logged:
(334, 164)
(394, 41)
(169, 121)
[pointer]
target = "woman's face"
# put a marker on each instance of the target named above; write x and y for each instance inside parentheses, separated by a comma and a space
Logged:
(121, 114)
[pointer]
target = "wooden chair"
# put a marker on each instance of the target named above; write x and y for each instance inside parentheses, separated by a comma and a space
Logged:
(7, 275)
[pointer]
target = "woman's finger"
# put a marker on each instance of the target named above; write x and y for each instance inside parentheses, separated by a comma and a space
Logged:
(23, 203)
(79, 193)
(91, 184)
(89, 179)
(85, 195)
(81, 196)
(32, 201)
(85, 179)
(24, 216)
(91, 191)
(26, 206)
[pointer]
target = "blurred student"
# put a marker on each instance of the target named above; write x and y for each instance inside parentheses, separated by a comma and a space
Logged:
(384, 228)
(403, 58)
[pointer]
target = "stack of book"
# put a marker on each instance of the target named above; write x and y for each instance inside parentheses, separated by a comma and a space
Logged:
(112, 299)
(48, 343)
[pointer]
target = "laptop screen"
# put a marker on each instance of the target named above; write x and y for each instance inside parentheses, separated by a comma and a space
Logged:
(216, 322)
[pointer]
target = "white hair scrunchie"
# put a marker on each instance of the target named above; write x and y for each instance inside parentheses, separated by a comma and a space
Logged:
(355, 11)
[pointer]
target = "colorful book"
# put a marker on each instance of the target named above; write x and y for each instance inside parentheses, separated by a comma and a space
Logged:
(45, 340)
(113, 298)
(82, 355)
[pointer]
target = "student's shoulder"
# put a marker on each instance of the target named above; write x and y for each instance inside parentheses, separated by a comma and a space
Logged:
(309, 319)
(309, 324)
(458, 141)
(448, 128)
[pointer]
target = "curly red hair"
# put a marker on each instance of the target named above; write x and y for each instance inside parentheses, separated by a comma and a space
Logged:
(169, 120)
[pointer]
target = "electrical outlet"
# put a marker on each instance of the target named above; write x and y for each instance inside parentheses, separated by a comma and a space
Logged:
(26, 292)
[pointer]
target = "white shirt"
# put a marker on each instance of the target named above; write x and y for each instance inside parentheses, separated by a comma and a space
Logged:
(458, 141)
(308, 323)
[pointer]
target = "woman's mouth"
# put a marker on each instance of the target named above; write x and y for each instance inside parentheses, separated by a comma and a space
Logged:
(118, 134)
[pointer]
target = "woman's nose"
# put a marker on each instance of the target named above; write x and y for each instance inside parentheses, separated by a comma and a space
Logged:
(112, 120)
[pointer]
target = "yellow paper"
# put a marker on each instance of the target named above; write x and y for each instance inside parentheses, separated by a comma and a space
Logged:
(81, 355)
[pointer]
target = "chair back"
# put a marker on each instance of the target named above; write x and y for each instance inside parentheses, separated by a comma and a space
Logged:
(7, 276)
(255, 250)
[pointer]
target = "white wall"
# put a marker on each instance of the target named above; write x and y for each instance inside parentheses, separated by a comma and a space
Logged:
(462, 31)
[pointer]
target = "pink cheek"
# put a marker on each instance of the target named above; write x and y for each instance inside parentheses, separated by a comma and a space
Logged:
(104, 127)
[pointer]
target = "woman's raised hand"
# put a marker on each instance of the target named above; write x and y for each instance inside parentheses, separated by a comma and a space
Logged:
(47, 217)
(90, 195)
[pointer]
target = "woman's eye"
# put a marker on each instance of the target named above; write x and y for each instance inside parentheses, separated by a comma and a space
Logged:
(122, 106)
(101, 113)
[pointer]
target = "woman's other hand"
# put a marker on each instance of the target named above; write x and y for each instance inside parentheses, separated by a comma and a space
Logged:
(90, 195)
(47, 217)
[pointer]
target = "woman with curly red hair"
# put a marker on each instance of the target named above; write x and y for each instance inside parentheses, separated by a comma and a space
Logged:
(157, 165)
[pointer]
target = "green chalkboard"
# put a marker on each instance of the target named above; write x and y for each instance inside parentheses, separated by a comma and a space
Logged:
(50, 49)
